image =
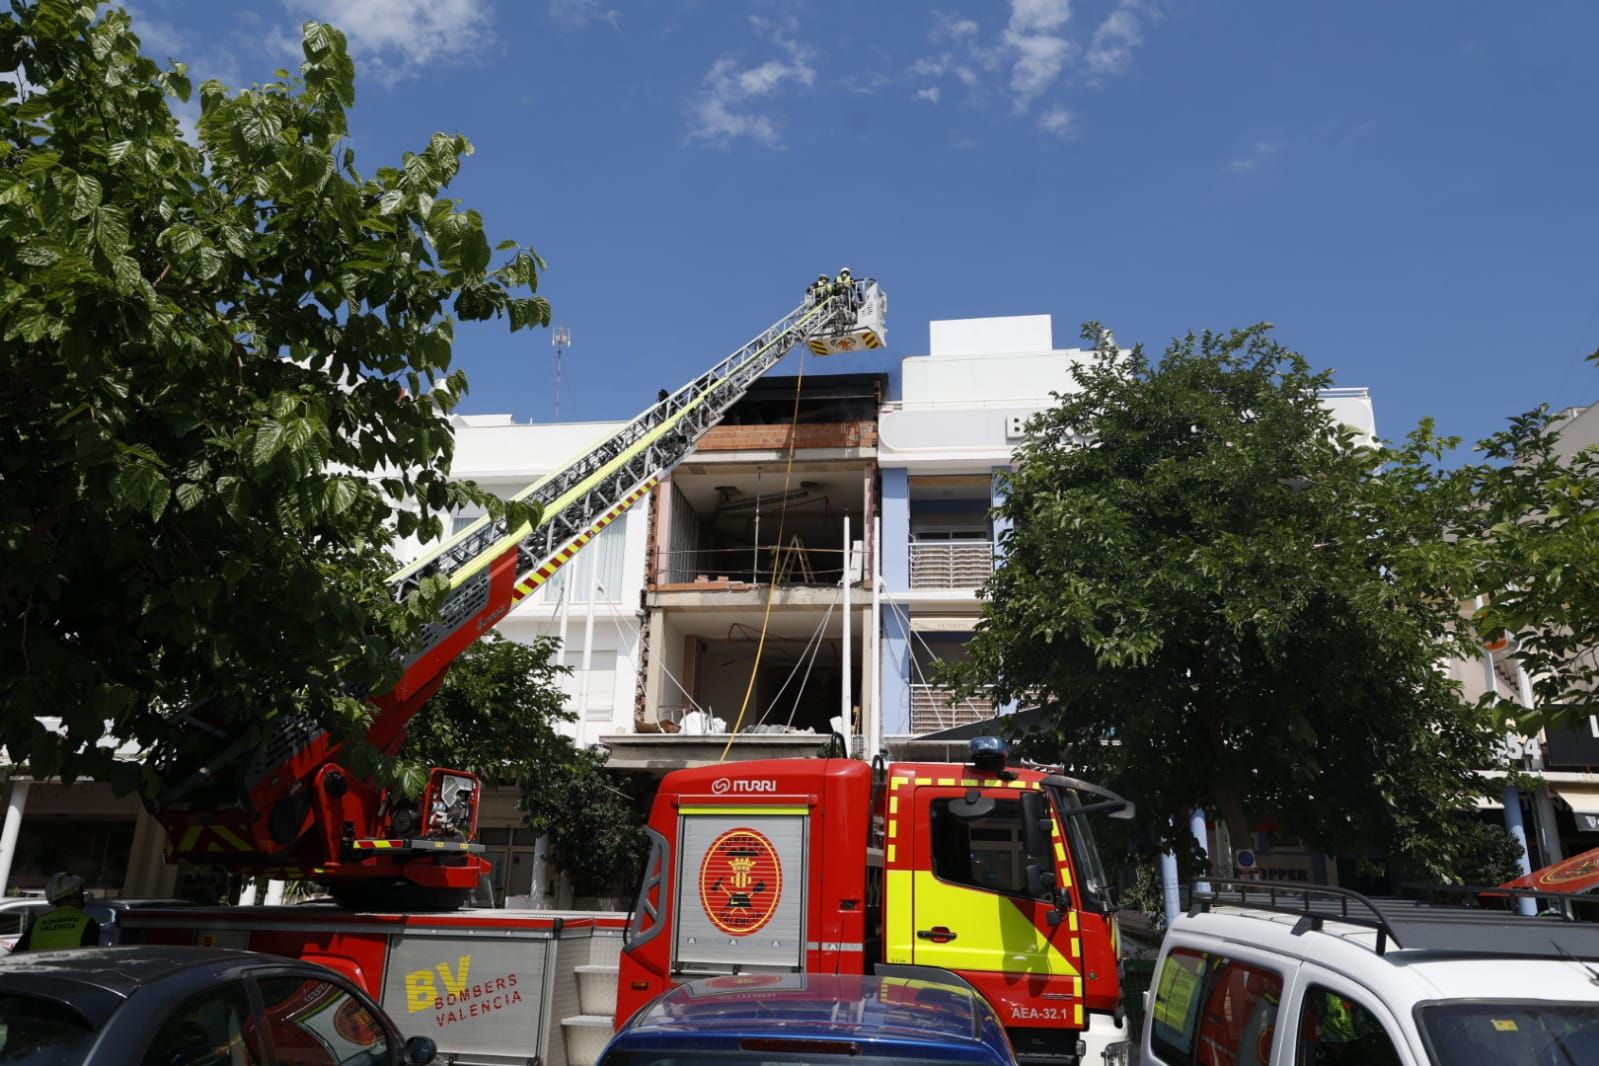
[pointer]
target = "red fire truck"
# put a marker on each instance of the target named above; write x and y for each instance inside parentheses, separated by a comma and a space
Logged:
(833, 866)
(290, 808)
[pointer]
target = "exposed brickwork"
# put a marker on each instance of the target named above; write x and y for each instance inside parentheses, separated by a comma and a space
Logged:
(726, 438)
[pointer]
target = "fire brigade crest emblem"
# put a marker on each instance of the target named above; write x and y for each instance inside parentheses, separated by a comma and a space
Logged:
(741, 880)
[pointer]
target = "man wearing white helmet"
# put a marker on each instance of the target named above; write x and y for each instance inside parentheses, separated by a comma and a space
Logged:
(844, 286)
(69, 925)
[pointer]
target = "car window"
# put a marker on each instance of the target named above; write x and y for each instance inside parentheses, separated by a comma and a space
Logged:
(1239, 1018)
(1210, 1010)
(314, 1022)
(1175, 1013)
(210, 1029)
(1334, 1030)
(11, 922)
(41, 1032)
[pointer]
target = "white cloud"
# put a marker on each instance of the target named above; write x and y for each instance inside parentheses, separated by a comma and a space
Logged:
(398, 39)
(159, 39)
(1039, 16)
(947, 27)
(1057, 120)
(1260, 153)
(1039, 59)
(1111, 50)
(577, 14)
(724, 110)
(930, 94)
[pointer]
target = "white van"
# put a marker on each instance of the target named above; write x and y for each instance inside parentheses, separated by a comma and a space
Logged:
(1262, 975)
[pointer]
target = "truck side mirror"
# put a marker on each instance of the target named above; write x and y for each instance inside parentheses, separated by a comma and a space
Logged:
(1040, 881)
(1035, 826)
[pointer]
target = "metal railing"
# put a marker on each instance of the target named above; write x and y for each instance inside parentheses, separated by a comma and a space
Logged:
(933, 707)
(951, 564)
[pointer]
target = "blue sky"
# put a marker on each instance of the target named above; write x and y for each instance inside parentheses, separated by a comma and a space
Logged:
(1406, 189)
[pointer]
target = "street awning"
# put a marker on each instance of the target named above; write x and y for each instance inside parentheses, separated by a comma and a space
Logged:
(1576, 874)
(1581, 800)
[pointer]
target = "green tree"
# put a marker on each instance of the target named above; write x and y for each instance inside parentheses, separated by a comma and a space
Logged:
(497, 715)
(1532, 554)
(1222, 599)
(227, 381)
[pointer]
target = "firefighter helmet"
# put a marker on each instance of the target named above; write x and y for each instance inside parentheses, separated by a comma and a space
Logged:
(62, 886)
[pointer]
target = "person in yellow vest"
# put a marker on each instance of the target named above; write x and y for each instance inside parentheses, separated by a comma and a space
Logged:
(69, 925)
(844, 286)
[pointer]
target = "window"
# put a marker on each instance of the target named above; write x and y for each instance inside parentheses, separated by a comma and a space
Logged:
(1337, 1031)
(314, 1022)
(1214, 1011)
(597, 567)
(1463, 1034)
(1240, 1015)
(1176, 1008)
(982, 852)
(42, 1032)
(208, 1030)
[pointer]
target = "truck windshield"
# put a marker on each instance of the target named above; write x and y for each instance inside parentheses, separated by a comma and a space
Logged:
(1092, 882)
(1524, 1033)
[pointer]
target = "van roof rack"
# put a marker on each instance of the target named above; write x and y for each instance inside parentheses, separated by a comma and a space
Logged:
(1419, 924)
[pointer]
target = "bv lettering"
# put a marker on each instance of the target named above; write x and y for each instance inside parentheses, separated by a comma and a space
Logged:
(421, 991)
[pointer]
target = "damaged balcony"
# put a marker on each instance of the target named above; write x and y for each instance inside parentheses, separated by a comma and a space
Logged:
(754, 538)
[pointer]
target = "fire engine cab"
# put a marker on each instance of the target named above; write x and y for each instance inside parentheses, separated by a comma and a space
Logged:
(986, 871)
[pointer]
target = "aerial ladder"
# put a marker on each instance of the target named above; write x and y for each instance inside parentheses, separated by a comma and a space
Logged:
(290, 808)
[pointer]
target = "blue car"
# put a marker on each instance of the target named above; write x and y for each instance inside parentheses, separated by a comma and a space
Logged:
(813, 1018)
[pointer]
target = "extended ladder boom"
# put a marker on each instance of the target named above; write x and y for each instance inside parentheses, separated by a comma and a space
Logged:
(281, 821)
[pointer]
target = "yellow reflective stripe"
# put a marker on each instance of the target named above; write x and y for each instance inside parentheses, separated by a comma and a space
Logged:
(543, 573)
(229, 836)
(899, 929)
(743, 810)
(994, 929)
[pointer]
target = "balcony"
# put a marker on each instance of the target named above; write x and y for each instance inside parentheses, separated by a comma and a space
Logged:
(933, 708)
(951, 564)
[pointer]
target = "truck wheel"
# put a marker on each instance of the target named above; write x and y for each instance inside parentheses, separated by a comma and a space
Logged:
(405, 896)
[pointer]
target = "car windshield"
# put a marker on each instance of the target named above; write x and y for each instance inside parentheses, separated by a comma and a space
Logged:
(1511, 1033)
(41, 1032)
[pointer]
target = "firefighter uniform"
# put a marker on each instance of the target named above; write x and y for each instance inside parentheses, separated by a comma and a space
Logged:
(844, 286)
(68, 926)
(64, 927)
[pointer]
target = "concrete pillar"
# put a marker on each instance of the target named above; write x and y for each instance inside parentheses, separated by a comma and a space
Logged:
(146, 857)
(1196, 826)
(274, 892)
(847, 688)
(1170, 896)
(1548, 828)
(896, 563)
(1513, 824)
(8, 834)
